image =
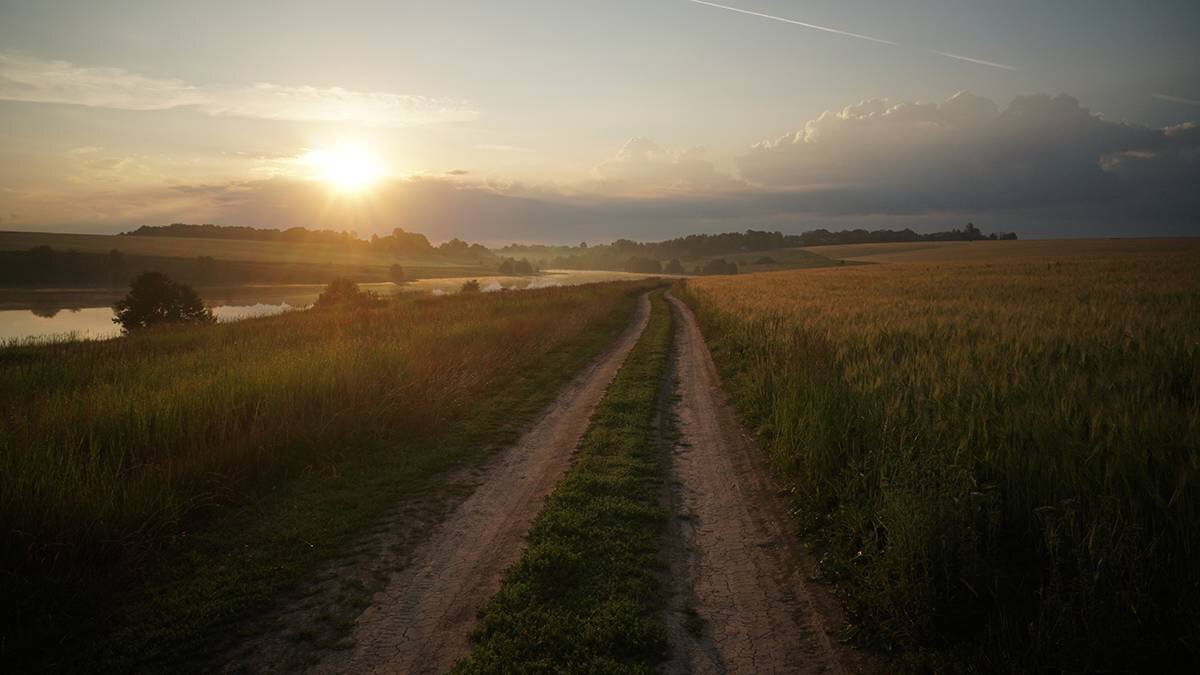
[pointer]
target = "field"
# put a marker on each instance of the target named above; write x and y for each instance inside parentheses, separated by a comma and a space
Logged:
(780, 259)
(1001, 251)
(196, 462)
(280, 254)
(996, 461)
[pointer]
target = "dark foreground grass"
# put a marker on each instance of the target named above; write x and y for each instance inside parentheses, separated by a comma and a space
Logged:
(586, 595)
(161, 489)
(1001, 461)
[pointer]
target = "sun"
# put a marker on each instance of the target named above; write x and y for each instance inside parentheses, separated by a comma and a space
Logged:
(347, 168)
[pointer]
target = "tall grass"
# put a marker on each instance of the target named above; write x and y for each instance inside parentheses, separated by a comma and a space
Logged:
(1001, 461)
(107, 449)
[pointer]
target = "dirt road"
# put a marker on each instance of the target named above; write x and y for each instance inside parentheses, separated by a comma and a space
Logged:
(735, 564)
(422, 619)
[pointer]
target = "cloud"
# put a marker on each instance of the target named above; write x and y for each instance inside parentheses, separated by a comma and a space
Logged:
(966, 154)
(641, 166)
(501, 148)
(33, 80)
(1042, 165)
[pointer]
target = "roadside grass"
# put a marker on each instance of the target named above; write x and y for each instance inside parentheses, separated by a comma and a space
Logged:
(161, 488)
(586, 595)
(999, 462)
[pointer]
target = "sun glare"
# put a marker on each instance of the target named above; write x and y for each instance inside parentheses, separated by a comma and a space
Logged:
(349, 169)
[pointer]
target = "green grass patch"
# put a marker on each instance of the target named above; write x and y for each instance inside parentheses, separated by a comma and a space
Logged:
(586, 595)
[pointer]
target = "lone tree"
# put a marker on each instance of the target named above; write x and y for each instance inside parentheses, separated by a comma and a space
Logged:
(397, 275)
(674, 267)
(154, 299)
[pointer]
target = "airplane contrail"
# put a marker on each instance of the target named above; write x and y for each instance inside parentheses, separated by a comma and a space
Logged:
(981, 62)
(859, 36)
(1175, 99)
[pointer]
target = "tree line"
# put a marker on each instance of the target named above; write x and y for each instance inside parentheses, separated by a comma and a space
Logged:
(624, 253)
(399, 242)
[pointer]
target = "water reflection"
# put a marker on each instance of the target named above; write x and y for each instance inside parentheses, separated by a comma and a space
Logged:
(95, 323)
(87, 314)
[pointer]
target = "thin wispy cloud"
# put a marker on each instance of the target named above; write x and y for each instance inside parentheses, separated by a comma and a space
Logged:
(502, 148)
(1175, 99)
(33, 80)
(859, 36)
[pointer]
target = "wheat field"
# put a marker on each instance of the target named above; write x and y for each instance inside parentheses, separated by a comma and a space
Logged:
(999, 459)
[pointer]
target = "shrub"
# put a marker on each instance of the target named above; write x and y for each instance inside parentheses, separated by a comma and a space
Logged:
(344, 292)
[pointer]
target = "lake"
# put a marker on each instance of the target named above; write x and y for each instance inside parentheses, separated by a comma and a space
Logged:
(86, 314)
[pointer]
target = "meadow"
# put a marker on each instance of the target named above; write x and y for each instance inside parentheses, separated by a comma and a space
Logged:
(203, 470)
(996, 462)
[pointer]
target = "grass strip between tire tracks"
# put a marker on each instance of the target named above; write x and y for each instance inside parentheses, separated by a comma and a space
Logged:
(586, 595)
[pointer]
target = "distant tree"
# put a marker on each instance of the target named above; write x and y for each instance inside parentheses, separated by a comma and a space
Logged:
(642, 265)
(470, 286)
(718, 266)
(397, 275)
(345, 293)
(155, 299)
(523, 266)
(674, 267)
(506, 266)
(454, 247)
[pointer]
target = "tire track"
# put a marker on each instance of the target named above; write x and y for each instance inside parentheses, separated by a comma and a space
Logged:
(421, 621)
(741, 602)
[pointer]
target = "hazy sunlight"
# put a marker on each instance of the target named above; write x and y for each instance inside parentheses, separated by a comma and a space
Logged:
(346, 168)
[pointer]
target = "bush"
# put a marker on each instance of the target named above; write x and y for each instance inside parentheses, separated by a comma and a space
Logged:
(718, 266)
(155, 299)
(344, 292)
(470, 286)
(674, 267)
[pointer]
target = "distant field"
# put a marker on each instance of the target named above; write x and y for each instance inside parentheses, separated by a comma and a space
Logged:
(782, 259)
(996, 251)
(1000, 460)
(231, 249)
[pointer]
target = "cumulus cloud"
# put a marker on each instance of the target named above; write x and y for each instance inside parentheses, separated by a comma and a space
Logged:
(642, 166)
(967, 154)
(34, 80)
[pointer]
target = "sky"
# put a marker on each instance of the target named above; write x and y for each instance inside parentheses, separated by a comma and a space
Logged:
(596, 119)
